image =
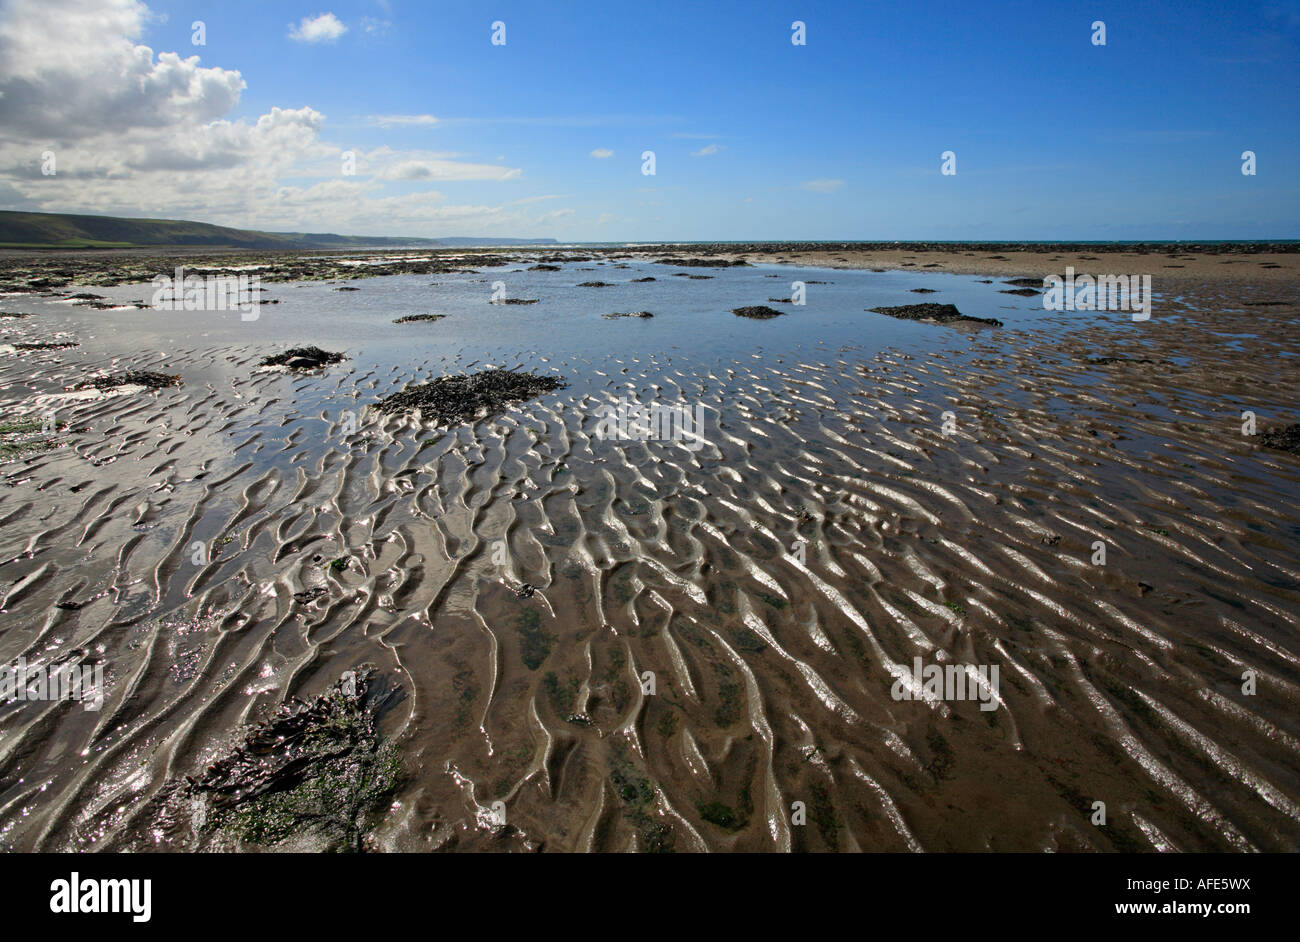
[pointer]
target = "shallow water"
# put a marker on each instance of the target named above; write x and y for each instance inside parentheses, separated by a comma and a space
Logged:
(692, 317)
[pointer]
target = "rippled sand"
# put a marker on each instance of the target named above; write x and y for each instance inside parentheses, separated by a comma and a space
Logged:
(1120, 683)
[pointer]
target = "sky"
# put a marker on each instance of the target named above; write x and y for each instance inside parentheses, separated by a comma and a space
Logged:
(404, 118)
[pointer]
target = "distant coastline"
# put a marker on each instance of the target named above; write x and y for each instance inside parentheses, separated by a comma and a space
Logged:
(69, 231)
(21, 231)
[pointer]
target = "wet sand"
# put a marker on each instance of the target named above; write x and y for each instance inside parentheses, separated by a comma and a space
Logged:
(773, 667)
(1175, 266)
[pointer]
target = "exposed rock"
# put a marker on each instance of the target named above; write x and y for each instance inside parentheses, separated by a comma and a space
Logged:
(412, 318)
(631, 314)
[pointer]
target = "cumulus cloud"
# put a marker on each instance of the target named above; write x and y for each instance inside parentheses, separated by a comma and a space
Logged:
(600, 153)
(322, 28)
(822, 186)
(139, 133)
(88, 76)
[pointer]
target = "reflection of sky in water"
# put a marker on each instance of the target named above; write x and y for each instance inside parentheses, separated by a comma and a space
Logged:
(692, 322)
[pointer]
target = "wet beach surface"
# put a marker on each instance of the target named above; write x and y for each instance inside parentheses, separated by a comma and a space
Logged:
(870, 490)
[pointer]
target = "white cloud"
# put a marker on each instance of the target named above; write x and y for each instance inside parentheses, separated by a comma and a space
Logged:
(822, 186)
(708, 150)
(139, 133)
(433, 167)
(88, 76)
(400, 120)
(322, 28)
(600, 153)
(554, 216)
(537, 199)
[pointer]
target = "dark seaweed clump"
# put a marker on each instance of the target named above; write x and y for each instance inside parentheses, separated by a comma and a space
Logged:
(451, 399)
(939, 313)
(320, 769)
(303, 358)
(757, 311)
(147, 378)
(1286, 439)
(412, 318)
(45, 344)
(703, 262)
(631, 314)
(1107, 361)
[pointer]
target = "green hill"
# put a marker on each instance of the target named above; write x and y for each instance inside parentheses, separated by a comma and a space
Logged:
(64, 231)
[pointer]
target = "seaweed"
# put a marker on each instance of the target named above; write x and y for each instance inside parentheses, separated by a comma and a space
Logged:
(1284, 439)
(147, 378)
(319, 768)
(412, 318)
(938, 313)
(759, 312)
(535, 641)
(453, 399)
(303, 358)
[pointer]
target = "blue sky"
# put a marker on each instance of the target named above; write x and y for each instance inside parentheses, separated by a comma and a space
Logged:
(754, 138)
